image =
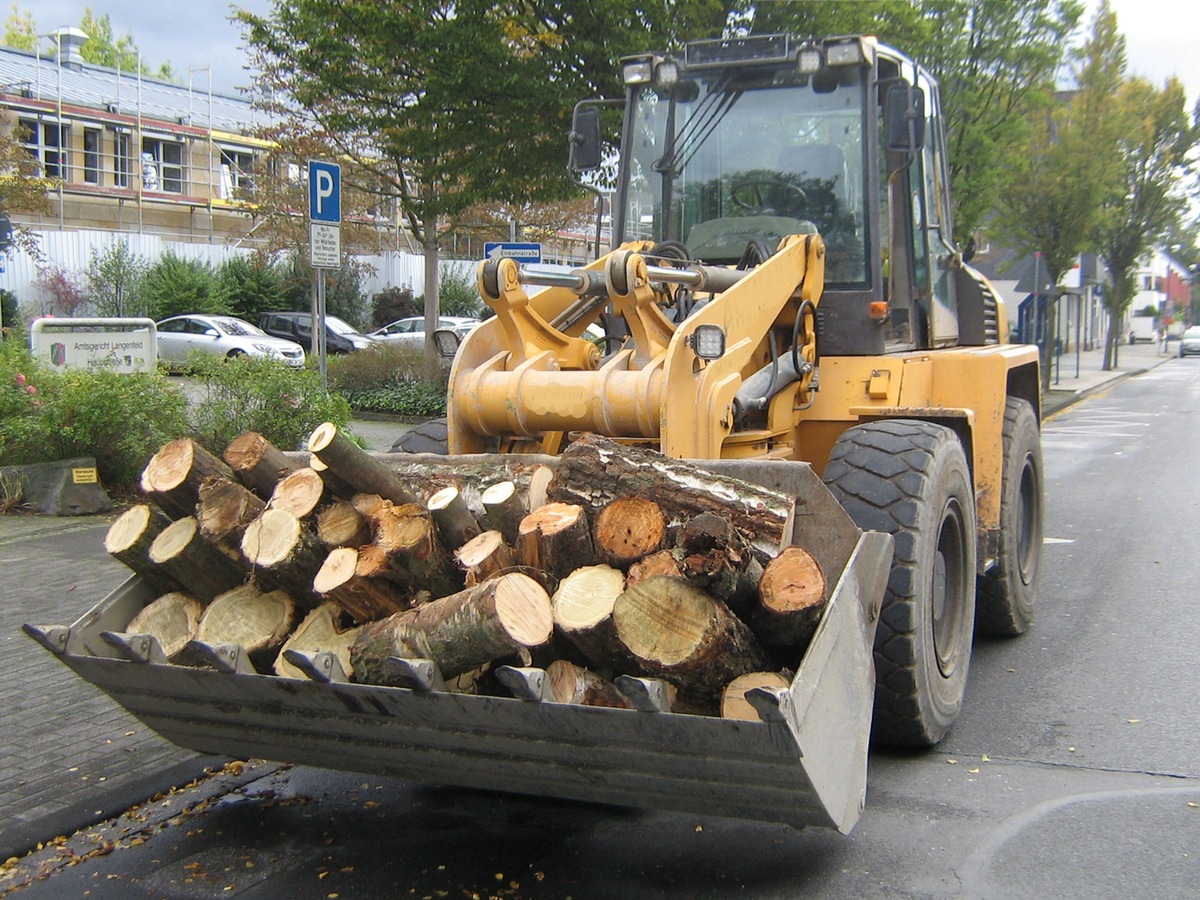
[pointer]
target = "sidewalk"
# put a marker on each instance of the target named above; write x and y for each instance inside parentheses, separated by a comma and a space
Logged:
(69, 756)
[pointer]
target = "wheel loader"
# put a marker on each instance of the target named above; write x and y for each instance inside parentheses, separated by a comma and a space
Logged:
(784, 303)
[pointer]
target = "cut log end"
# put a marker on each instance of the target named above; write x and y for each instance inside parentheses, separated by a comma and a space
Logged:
(734, 704)
(271, 537)
(524, 609)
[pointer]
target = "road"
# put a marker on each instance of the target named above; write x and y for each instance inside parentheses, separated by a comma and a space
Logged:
(1074, 770)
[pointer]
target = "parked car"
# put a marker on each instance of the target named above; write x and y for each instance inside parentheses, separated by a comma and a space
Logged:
(411, 331)
(340, 337)
(1189, 343)
(180, 336)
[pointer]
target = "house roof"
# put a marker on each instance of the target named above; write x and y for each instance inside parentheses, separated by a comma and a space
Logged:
(38, 80)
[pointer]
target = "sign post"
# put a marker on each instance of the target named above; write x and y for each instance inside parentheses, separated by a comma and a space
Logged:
(325, 242)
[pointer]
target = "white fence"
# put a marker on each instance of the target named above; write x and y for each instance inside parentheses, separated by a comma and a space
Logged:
(71, 252)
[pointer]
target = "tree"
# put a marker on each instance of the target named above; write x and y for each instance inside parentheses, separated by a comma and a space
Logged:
(105, 49)
(1156, 137)
(113, 277)
(175, 286)
(443, 106)
(1059, 185)
(20, 30)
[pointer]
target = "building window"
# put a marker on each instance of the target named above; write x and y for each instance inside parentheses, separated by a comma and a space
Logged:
(122, 159)
(237, 173)
(162, 165)
(45, 142)
(91, 155)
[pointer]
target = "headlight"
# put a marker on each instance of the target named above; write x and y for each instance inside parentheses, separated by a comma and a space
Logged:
(637, 72)
(264, 348)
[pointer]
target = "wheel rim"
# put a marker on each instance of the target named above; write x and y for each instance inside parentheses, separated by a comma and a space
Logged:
(1029, 536)
(948, 591)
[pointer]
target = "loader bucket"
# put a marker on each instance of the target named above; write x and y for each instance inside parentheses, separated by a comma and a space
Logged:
(803, 764)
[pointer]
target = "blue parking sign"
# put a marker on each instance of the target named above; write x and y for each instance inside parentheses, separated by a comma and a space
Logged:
(324, 192)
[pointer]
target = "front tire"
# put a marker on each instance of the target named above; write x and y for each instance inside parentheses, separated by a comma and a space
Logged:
(430, 436)
(909, 478)
(1008, 590)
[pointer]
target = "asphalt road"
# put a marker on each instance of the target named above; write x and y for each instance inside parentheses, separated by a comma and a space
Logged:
(1074, 770)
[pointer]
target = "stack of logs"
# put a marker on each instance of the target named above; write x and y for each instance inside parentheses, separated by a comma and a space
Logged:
(618, 573)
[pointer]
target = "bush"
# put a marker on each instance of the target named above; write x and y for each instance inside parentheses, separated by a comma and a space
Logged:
(250, 287)
(114, 277)
(121, 420)
(393, 303)
(174, 286)
(10, 318)
(264, 395)
(388, 379)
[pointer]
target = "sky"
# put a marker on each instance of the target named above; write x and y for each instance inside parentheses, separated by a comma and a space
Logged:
(195, 35)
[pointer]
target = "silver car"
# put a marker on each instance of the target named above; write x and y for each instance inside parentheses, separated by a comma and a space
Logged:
(228, 336)
(1190, 342)
(411, 331)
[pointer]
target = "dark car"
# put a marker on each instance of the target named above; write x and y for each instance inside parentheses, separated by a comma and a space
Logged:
(340, 337)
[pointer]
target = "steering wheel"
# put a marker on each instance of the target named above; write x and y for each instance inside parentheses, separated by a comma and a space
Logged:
(752, 195)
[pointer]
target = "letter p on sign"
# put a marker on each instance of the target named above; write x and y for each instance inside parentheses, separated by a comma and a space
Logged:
(324, 192)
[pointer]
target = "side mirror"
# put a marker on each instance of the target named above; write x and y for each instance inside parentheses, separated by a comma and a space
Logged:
(585, 140)
(211, 332)
(446, 342)
(904, 115)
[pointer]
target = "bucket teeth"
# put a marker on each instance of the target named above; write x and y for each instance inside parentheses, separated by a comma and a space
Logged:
(771, 704)
(139, 648)
(646, 694)
(222, 657)
(323, 666)
(415, 674)
(52, 637)
(526, 683)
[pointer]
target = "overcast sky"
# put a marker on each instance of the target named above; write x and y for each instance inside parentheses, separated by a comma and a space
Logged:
(193, 35)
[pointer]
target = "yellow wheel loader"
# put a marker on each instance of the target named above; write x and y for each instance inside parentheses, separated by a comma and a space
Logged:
(784, 303)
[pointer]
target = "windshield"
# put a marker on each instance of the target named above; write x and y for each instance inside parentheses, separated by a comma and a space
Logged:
(337, 326)
(238, 327)
(752, 154)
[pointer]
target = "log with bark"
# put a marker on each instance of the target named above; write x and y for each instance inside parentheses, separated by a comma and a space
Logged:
(456, 523)
(484, 557)
(376, 562)
(301, 493)
(365, 599)
(570, 683)
(129, 539)
(174, 474)
(714, 557)
(284, 553)
(323, 629)
(629, 529)
(506, 506)
(685, 636)
(336, 485)
(583, 608)
(356, 466)
(257, 463)
(460, 632)
(792, 596)
(664, 562)
(407, 533)
(201, 566)
(594, 471)
(225, 509)
(257, 621)
(341, 525)
(734, 704)
(172, 619)
(555, 538)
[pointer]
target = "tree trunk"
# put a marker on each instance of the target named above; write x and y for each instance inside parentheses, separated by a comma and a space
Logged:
(627, 530)
(570, 683)
(506, 506)
(129, 539)
(734, 704)
(593, 471)
(258, 622)
(365, 599)
(320, 630)
(300, 493)
(257, 463)
(194, 562)
(173, 619)
(225, 509)
(682, 634)
(341, 525)
(356, 466)
(174, 474)
(460, 632)
(583, 607)
(792, 596)
(285, 553)
(408, 534)
(455, 521)
(484, 557)
(555, 539)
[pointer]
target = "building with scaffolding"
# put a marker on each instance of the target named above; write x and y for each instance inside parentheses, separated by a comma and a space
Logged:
(129, 153)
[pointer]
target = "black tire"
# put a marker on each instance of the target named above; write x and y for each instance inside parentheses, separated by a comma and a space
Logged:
(1008, 590)
(910, 479)
(430, 436)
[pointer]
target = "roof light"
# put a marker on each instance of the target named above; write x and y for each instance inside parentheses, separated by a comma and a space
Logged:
(637, 71)
(848, 53)
(666, 74)
(809, 60)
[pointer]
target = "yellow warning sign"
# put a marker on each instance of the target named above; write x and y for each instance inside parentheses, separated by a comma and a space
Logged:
(84, 476)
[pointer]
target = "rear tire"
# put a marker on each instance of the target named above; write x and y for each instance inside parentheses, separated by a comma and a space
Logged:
(431, 436)
(1008, 590)
(909, 478)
